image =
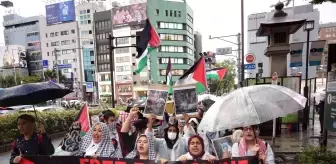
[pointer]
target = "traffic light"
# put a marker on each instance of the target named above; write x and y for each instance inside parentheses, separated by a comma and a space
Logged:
(209, 57)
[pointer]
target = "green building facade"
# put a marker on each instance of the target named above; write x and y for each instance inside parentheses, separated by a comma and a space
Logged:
(173, 21)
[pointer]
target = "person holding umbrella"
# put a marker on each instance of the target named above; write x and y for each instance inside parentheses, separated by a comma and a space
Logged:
(251, 145)
(30, 142)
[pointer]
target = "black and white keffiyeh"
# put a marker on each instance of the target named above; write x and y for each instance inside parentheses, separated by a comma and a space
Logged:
(105, 149)
(72, 139)
(151, 149)
(115, 139)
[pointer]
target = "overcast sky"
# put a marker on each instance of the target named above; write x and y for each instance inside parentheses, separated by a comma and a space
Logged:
(211, 17)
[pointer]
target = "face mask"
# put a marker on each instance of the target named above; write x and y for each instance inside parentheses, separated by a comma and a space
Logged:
(172, 135)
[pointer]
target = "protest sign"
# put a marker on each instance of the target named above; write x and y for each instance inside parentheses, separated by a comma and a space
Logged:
(156, 100)
(185, 100)
(83, 160)
(223, 144)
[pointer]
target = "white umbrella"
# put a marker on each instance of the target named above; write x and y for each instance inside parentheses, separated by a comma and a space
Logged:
(319, 95)
(251, 106)
(206, 97)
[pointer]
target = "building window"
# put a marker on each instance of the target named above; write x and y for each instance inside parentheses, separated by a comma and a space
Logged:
(88, 11)
(52, 34)
(174, 60)
(124, 77)
(171, 37)
(328, 29)
(72, 31)
(73, 41)
(121, 50)
(171, 13)
(56, 33)
(157, 12)
(67, 61)
(123, 59)
(175, 13)
(170, 25)
(190, 18)
(65, 32)
(123, 68)
(123, 40)
(328, 35)
(171, 49)
(55, 44)
(189, 29)
(47, 44)
(179, 14)
(175, 72)
(48, 53)
(65, 42)
(279, 37)
(105, 77)
(46, 35)
(166, 12)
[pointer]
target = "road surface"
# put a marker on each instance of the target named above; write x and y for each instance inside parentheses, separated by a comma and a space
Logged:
(4, 157)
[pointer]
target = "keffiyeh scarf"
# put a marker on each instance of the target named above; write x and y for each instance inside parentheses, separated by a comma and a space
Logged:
(151, 150)
(105, 149)
(72, 139)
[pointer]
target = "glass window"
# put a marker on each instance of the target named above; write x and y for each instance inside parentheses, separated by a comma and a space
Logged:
(166, 12)
(123, 40)
(157, 12)
(56, 33)
(121, 50)
(52, 34)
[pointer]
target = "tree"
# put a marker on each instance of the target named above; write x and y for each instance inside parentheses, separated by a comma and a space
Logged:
(30, 79)
(223, 86)
(50, 74)
(316, 2)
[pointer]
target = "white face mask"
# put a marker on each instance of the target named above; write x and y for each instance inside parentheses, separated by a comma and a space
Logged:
(172, 135)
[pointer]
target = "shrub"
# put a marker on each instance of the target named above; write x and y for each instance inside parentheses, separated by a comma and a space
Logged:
(54, 122)
(317, 155)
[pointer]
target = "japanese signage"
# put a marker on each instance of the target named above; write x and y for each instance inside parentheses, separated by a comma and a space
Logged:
(330, 103)
(60, 12)
(316, 51)
(296, 55)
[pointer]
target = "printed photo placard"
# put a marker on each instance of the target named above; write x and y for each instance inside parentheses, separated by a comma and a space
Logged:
(221, 145)
(185, 98)
(156, 100)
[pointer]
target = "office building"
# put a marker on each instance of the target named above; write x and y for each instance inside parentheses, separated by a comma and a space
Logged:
(197, 45)
(19, 30)
(257, 45)
(85, 11)
(102, 30)
(327, 32)
(173, 21)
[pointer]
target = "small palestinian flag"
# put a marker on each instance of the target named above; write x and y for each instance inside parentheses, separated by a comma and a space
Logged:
(195, 75)
(169, 77)
(148, 41)
(83, 118)
(216, 73)
(26, 161)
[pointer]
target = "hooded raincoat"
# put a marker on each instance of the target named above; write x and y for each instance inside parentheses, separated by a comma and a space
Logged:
(151, 152)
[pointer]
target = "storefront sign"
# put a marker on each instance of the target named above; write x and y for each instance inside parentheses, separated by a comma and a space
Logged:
(296, 55)
(316, 52)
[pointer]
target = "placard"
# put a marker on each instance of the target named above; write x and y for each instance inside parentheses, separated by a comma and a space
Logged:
(185, 98)
(221, 145)
(156, 100)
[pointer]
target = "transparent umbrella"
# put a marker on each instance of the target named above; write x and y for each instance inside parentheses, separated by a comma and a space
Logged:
(251, 106)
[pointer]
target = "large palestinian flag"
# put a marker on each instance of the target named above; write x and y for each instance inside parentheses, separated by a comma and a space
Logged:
(83, 118)
(195, 75)
(148, 41)
(216, 73)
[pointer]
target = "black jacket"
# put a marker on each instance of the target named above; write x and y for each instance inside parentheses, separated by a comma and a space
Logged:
(36, 145)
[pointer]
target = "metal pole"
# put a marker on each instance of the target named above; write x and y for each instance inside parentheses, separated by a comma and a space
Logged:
(14, 69)
(111, 48)
(57, 73)
(242, 42)
(305, 89)
(239, 59)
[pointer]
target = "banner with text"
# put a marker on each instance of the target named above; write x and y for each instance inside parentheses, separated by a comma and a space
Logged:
(296, 55)
(316, 51)
(82, 160)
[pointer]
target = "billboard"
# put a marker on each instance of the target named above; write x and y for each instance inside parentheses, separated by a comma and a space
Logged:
(60, 12)
(13, 55)
(129, 15)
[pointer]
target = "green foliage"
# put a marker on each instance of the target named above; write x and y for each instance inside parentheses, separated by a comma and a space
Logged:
(315, 2)
(54, 122)
(50, 74)
(316, 155)
(228, 83)
(30, 79)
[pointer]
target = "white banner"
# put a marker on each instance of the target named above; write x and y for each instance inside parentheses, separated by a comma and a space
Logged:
(316, 50)
(296, 55)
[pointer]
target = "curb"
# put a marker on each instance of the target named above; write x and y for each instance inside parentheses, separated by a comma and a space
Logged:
(8, 147)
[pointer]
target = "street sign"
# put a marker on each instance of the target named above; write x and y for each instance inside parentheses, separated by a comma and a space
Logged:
(45, 63)
(63, 66)
(224, 51)
(330, 103)
(250, 58)
(89, 86)
(249, 66)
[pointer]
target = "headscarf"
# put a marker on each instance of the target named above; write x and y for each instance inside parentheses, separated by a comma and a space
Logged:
(172, 123)
(72, 139)
(196, 157)
(242, 146)
(105, 149)
(151, 151)
(236, 136)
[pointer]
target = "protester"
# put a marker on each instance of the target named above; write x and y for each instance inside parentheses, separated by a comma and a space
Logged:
(251, 145)
(144, 147)
(30, 142)
(71, 141)
(196, 150)
(114, 130)
(97, 143)
(171, 146)
(129, 133)
(320, 108)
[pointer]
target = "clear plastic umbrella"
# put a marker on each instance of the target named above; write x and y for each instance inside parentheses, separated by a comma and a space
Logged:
(251, 106)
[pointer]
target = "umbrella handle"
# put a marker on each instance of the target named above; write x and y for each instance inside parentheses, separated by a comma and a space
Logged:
(35, 112)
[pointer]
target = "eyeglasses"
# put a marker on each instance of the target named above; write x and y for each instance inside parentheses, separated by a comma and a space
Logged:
(248, 128)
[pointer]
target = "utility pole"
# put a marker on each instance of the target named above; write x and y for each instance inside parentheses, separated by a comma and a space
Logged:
(242, 43)
(239, 67)
(111, 50)
(57, 73)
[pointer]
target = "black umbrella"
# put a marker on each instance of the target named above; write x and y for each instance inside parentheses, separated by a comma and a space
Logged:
(31, 94)
(207, 103)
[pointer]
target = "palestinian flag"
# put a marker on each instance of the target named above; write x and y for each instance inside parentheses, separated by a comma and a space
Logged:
(148, 41)
(83, 118)
(195, 75)
(169, 80)
(26, 161)
(216, 73)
